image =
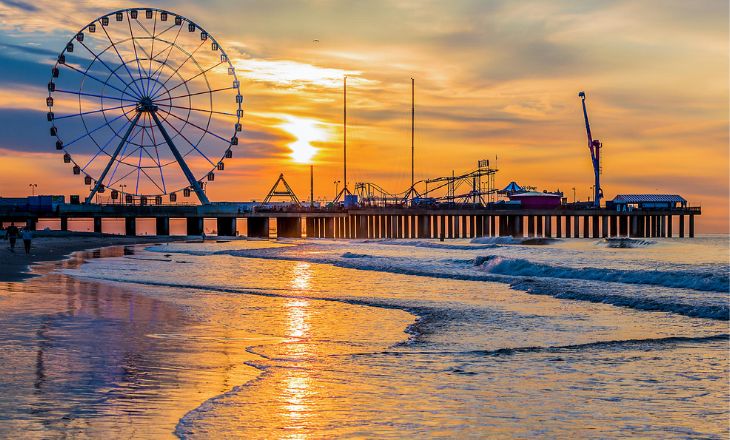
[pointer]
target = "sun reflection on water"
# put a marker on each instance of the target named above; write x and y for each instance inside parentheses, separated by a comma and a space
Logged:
(296, 395)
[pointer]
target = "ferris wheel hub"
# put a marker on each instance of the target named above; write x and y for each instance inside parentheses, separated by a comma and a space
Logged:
(146, 105)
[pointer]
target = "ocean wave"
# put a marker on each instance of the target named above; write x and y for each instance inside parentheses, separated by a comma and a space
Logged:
(354, 255)
(436, 245)
(495, 240)
(619, 344)
(718, 311)
(626, 243)
(614, 286)
(703, 281)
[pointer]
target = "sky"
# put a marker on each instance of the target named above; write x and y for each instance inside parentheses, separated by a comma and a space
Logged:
(494, 80)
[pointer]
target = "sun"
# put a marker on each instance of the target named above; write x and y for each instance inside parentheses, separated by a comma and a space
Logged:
(305, 131)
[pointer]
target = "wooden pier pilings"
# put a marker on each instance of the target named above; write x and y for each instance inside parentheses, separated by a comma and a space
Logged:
(370, 224)
(388, 222)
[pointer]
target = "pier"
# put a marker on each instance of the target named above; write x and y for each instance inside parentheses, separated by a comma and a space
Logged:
(381, 222)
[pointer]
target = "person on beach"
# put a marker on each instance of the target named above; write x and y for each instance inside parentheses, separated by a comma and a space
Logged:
(12, 236)
(27, 236)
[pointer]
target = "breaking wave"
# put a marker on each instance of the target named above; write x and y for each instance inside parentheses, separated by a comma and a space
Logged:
(598, 285)
(704, 281)
(436, 245)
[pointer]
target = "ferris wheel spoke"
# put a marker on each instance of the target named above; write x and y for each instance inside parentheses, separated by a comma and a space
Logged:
(195, 147)
(157, 153)
(144, 147)
(147, 73)
(105, 83)
(136, 55)
(121, 60)
(180, 66)
(200, 110)
(116, 165)
(95, 95)
(152, 48)
(167, 29)
(151, 180)
(88, 133)
(103, 149)
(114, 182)
(200, 93)
(137, 146)
(158, 71)
(98, 57)
(139, 163)
(113, 157)
(121, 156)
(88, 113)
(197, 126)
(202, 72)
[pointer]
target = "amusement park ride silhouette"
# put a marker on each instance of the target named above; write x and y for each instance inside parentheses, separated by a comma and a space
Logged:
(135, 101)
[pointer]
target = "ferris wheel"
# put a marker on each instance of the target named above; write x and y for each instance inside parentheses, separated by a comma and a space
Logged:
(145, 103)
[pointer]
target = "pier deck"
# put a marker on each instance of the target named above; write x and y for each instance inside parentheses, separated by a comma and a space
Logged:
(384, 222)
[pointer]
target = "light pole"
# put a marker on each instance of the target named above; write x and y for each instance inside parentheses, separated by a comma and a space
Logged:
(311, 185)
(573, 195)
(337, 185)
(33, 186)
(122, 196)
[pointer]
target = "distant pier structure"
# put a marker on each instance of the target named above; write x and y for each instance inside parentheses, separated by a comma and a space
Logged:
(640, 216)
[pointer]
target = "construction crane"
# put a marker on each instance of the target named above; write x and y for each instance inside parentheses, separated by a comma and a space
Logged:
(594, 145)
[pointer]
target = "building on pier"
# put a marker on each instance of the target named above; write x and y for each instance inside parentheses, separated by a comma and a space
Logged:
(628, 202)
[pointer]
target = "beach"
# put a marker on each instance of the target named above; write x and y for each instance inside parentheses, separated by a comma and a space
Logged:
(374, 338)
(56, 245)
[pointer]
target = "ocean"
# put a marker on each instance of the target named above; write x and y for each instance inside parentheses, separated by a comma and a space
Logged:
(373, 338)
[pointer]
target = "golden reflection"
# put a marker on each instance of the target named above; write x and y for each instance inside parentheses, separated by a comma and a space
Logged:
(296, 395)
(301, 276)
(298, 319)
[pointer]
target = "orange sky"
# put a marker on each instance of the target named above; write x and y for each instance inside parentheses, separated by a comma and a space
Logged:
(492, 79)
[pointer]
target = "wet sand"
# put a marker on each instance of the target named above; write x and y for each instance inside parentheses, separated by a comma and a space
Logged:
(91, 359)
(86, 359)
(57, 245)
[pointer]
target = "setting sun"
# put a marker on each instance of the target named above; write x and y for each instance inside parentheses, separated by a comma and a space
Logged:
(305, 131)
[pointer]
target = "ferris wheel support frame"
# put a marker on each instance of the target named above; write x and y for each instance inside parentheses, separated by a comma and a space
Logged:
(146, 106)
(180, 160)
(113, 158)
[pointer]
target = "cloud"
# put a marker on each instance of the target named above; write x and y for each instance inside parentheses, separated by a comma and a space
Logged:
(19, 5)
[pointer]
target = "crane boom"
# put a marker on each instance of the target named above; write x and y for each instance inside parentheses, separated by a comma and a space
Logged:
(594, 145)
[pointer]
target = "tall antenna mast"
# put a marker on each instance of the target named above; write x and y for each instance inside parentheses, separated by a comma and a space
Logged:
(344, 136)
(413, 119)
(412, 194)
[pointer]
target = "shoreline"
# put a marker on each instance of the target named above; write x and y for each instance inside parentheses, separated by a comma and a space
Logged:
(162, 352)
(56, 246)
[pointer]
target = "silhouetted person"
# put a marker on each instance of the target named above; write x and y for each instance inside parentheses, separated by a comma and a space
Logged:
(27, 236)
(12, 235)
